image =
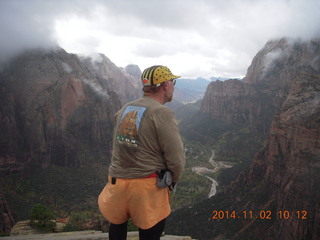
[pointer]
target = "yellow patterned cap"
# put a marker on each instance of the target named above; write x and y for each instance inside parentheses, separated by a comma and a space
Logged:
(155, 75)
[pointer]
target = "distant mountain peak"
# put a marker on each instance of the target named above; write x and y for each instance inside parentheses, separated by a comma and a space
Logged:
(133, 70)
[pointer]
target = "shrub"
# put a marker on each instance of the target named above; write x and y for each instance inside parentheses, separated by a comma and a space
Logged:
(77, 222)
(42, 217)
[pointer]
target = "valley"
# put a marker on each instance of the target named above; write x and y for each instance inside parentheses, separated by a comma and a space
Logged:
(250, 144)
(207, 172)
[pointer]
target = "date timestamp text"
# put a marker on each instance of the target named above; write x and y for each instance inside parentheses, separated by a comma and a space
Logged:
(264, 214)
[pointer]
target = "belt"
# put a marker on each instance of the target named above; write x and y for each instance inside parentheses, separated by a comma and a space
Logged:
(114, 180)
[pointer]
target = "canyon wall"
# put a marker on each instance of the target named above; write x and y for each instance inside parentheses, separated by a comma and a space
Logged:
(57, 109)
(279, 97)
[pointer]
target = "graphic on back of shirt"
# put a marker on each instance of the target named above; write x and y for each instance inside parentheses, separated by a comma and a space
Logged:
(130, 121)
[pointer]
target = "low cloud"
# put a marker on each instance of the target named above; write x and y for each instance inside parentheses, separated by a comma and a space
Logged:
(96, 88)
(216, 37)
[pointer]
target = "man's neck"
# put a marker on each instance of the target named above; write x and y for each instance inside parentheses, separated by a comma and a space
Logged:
(155, 97)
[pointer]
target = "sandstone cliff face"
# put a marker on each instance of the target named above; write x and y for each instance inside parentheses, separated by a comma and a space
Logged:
(287, 171)
(255, 100)
(291, 161)
(237, 102)
(285, 175)
(56, 110)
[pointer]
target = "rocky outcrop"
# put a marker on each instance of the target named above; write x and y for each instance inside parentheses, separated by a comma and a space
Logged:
(23, 228)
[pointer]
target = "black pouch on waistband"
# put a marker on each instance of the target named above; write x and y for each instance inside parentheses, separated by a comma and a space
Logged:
(164, 178)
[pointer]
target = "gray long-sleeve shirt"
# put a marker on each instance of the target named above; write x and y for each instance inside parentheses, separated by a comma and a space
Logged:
(146, 139)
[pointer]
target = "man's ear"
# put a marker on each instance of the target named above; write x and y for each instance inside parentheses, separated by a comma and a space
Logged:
(165, 86)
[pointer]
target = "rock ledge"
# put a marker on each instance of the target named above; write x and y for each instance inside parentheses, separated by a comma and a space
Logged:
(85, 235)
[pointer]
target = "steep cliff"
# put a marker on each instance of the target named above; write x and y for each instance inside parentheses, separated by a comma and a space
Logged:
(280, 189)
(289, 167)
(54, 109)
(46, 98)
(57, 110)
(237, 102)
(254, 100)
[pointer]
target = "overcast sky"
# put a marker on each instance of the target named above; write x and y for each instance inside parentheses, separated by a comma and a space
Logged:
(194, 38)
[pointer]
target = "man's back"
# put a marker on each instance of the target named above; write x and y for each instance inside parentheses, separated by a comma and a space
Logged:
(146, 140)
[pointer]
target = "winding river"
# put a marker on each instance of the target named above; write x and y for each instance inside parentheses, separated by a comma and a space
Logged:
(216, 166)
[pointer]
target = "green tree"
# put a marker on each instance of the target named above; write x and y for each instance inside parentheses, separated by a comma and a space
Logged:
(42, 217)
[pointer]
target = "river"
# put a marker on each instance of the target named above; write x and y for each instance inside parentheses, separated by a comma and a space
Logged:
(216, 166)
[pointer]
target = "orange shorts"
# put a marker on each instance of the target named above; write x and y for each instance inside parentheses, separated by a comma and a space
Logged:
(139, 199)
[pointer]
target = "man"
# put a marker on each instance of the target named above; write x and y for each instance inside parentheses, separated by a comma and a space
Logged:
(146, 140)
